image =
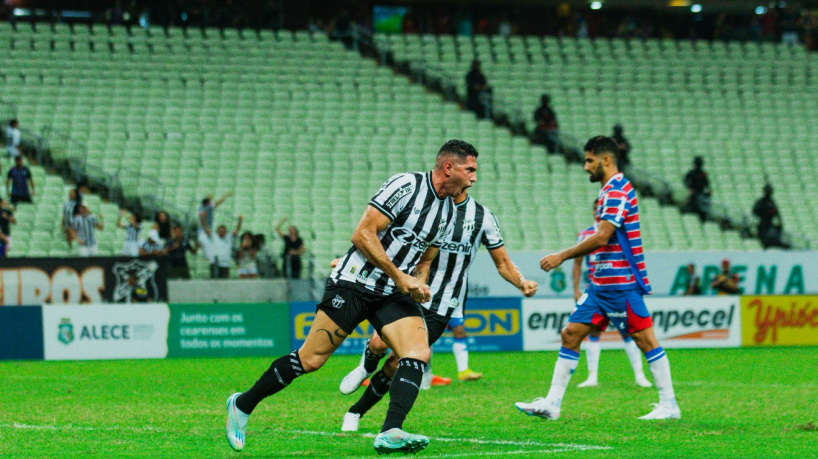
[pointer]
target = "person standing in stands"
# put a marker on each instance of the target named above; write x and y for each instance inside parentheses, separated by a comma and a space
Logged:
(68, 211)
(205, 212)
(83, 226)
(176, 247)
(13, 138)
(725, 283)
(221, 253)
(246, 259)
(699, 185)
(624, 147)
(770, 227)
(20, 179)
(152, 247)
(293, 249)
(131, 246)
(478, 94)
(547, 131)
(6, 220)
(163, 225)
(694, 283)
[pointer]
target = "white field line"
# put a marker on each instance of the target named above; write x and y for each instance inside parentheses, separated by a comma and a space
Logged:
(503, 453)
(478, 441)
(70, 427)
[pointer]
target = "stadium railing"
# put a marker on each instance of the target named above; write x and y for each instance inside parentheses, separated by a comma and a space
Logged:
(510, 115)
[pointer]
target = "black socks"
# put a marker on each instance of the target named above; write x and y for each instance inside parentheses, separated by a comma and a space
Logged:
(280, 374)
(378, 387)
(371, 359)
(404, 391)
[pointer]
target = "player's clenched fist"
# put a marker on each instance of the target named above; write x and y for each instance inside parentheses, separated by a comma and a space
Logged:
(411, 285)
(551, 261)
(528, 288)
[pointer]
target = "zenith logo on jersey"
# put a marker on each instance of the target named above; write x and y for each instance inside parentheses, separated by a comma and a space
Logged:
(408, 237)
(455, 247)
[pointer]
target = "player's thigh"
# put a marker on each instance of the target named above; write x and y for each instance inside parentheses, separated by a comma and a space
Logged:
(589, 310)
(376, 344)
(401, 324)
(323, 339)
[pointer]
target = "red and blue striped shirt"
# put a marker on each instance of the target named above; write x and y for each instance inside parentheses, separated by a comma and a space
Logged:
(619, 206)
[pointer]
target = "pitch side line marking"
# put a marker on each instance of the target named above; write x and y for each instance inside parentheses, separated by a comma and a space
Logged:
(70, 427)
(478, 441)
(506, 453)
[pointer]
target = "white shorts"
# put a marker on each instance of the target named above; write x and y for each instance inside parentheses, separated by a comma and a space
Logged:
(458, 312)
(88, 251)
(130, 249)
(204, 243)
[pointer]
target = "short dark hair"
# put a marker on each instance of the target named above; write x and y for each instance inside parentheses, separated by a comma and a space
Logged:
(601, 145)
(457, 148)
(13, 122)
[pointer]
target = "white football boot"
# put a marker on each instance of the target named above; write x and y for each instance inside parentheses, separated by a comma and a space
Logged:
(236, 424)
(662, 412)
(351, 421)
(539, 407)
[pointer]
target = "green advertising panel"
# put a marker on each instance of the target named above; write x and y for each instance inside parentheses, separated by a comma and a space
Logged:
(228, 330)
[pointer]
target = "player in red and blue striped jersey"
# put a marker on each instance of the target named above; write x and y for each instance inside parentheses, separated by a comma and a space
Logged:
(617, 285)
(593, 348)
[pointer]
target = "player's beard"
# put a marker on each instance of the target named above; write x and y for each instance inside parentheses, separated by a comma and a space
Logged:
(596, 176)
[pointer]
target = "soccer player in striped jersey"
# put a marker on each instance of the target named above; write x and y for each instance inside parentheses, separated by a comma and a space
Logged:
(593, 349)
(615, 295)
(475, 225)
(400, 232)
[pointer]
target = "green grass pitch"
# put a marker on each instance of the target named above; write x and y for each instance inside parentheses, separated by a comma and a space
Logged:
(736, 403)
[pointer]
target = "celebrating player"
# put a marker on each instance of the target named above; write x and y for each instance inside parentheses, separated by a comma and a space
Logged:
(593, 348)
(475, 225)
(617, 285)
(401, 228)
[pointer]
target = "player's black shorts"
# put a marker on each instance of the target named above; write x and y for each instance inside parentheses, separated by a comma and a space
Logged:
(348, 304)
(436, 324)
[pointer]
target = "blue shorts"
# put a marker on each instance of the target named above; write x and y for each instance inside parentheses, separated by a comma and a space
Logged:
(625, 309)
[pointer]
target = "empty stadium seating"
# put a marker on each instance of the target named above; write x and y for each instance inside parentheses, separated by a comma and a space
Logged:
(296, 126)
(749, 109)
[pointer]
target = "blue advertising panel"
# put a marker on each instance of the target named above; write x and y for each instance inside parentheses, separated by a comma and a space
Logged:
(493, 324)
(21, 333)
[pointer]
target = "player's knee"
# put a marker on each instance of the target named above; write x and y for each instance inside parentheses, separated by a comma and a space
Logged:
(377, 346)
(391, 365)
(312, 362)
(459, 331)
(421, 353)
(569, 337)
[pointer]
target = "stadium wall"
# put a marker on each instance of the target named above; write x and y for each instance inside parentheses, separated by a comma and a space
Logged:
(161, 330)
(760, 273)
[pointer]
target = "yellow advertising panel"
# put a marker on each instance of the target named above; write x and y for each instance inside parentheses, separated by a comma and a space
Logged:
(779, 320)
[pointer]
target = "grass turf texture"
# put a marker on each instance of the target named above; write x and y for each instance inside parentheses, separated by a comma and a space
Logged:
(735, 403)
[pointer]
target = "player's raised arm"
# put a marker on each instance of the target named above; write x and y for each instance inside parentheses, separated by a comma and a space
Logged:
(511, 273)
(604, 232)
(365, 238)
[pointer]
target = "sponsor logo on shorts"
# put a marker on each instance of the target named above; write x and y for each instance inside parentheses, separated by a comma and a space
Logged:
(337, 302)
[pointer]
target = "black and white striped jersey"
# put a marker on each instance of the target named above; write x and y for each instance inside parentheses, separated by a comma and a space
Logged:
(132, 232)
(68, 211)
(420, 218)
(449, 273)
(85, 227)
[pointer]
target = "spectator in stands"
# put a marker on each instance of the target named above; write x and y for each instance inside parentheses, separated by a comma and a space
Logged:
(20, 179)
(694, 282)
(547, 131)
(697, 182)
(623, 158)
(221, 252)
(205, 212)
(152, 247)
(68, 211)
(131, 246)
(293, 249)
(6, 220)
(246, 258)
(162, 225)
(139, 294)
(725, 283)
(176, 247)
(83, 226)
(13, 138)
(478, 97)
(770, 227)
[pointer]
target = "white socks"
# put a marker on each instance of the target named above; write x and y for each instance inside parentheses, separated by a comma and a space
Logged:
(461, 354)
(660, 369)
(592, 350)
(634, 355)
(566, 365)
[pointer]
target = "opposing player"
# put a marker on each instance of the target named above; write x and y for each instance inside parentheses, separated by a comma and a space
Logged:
(475, 225)
(617, 285)
(593, 348)
(402, 227)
